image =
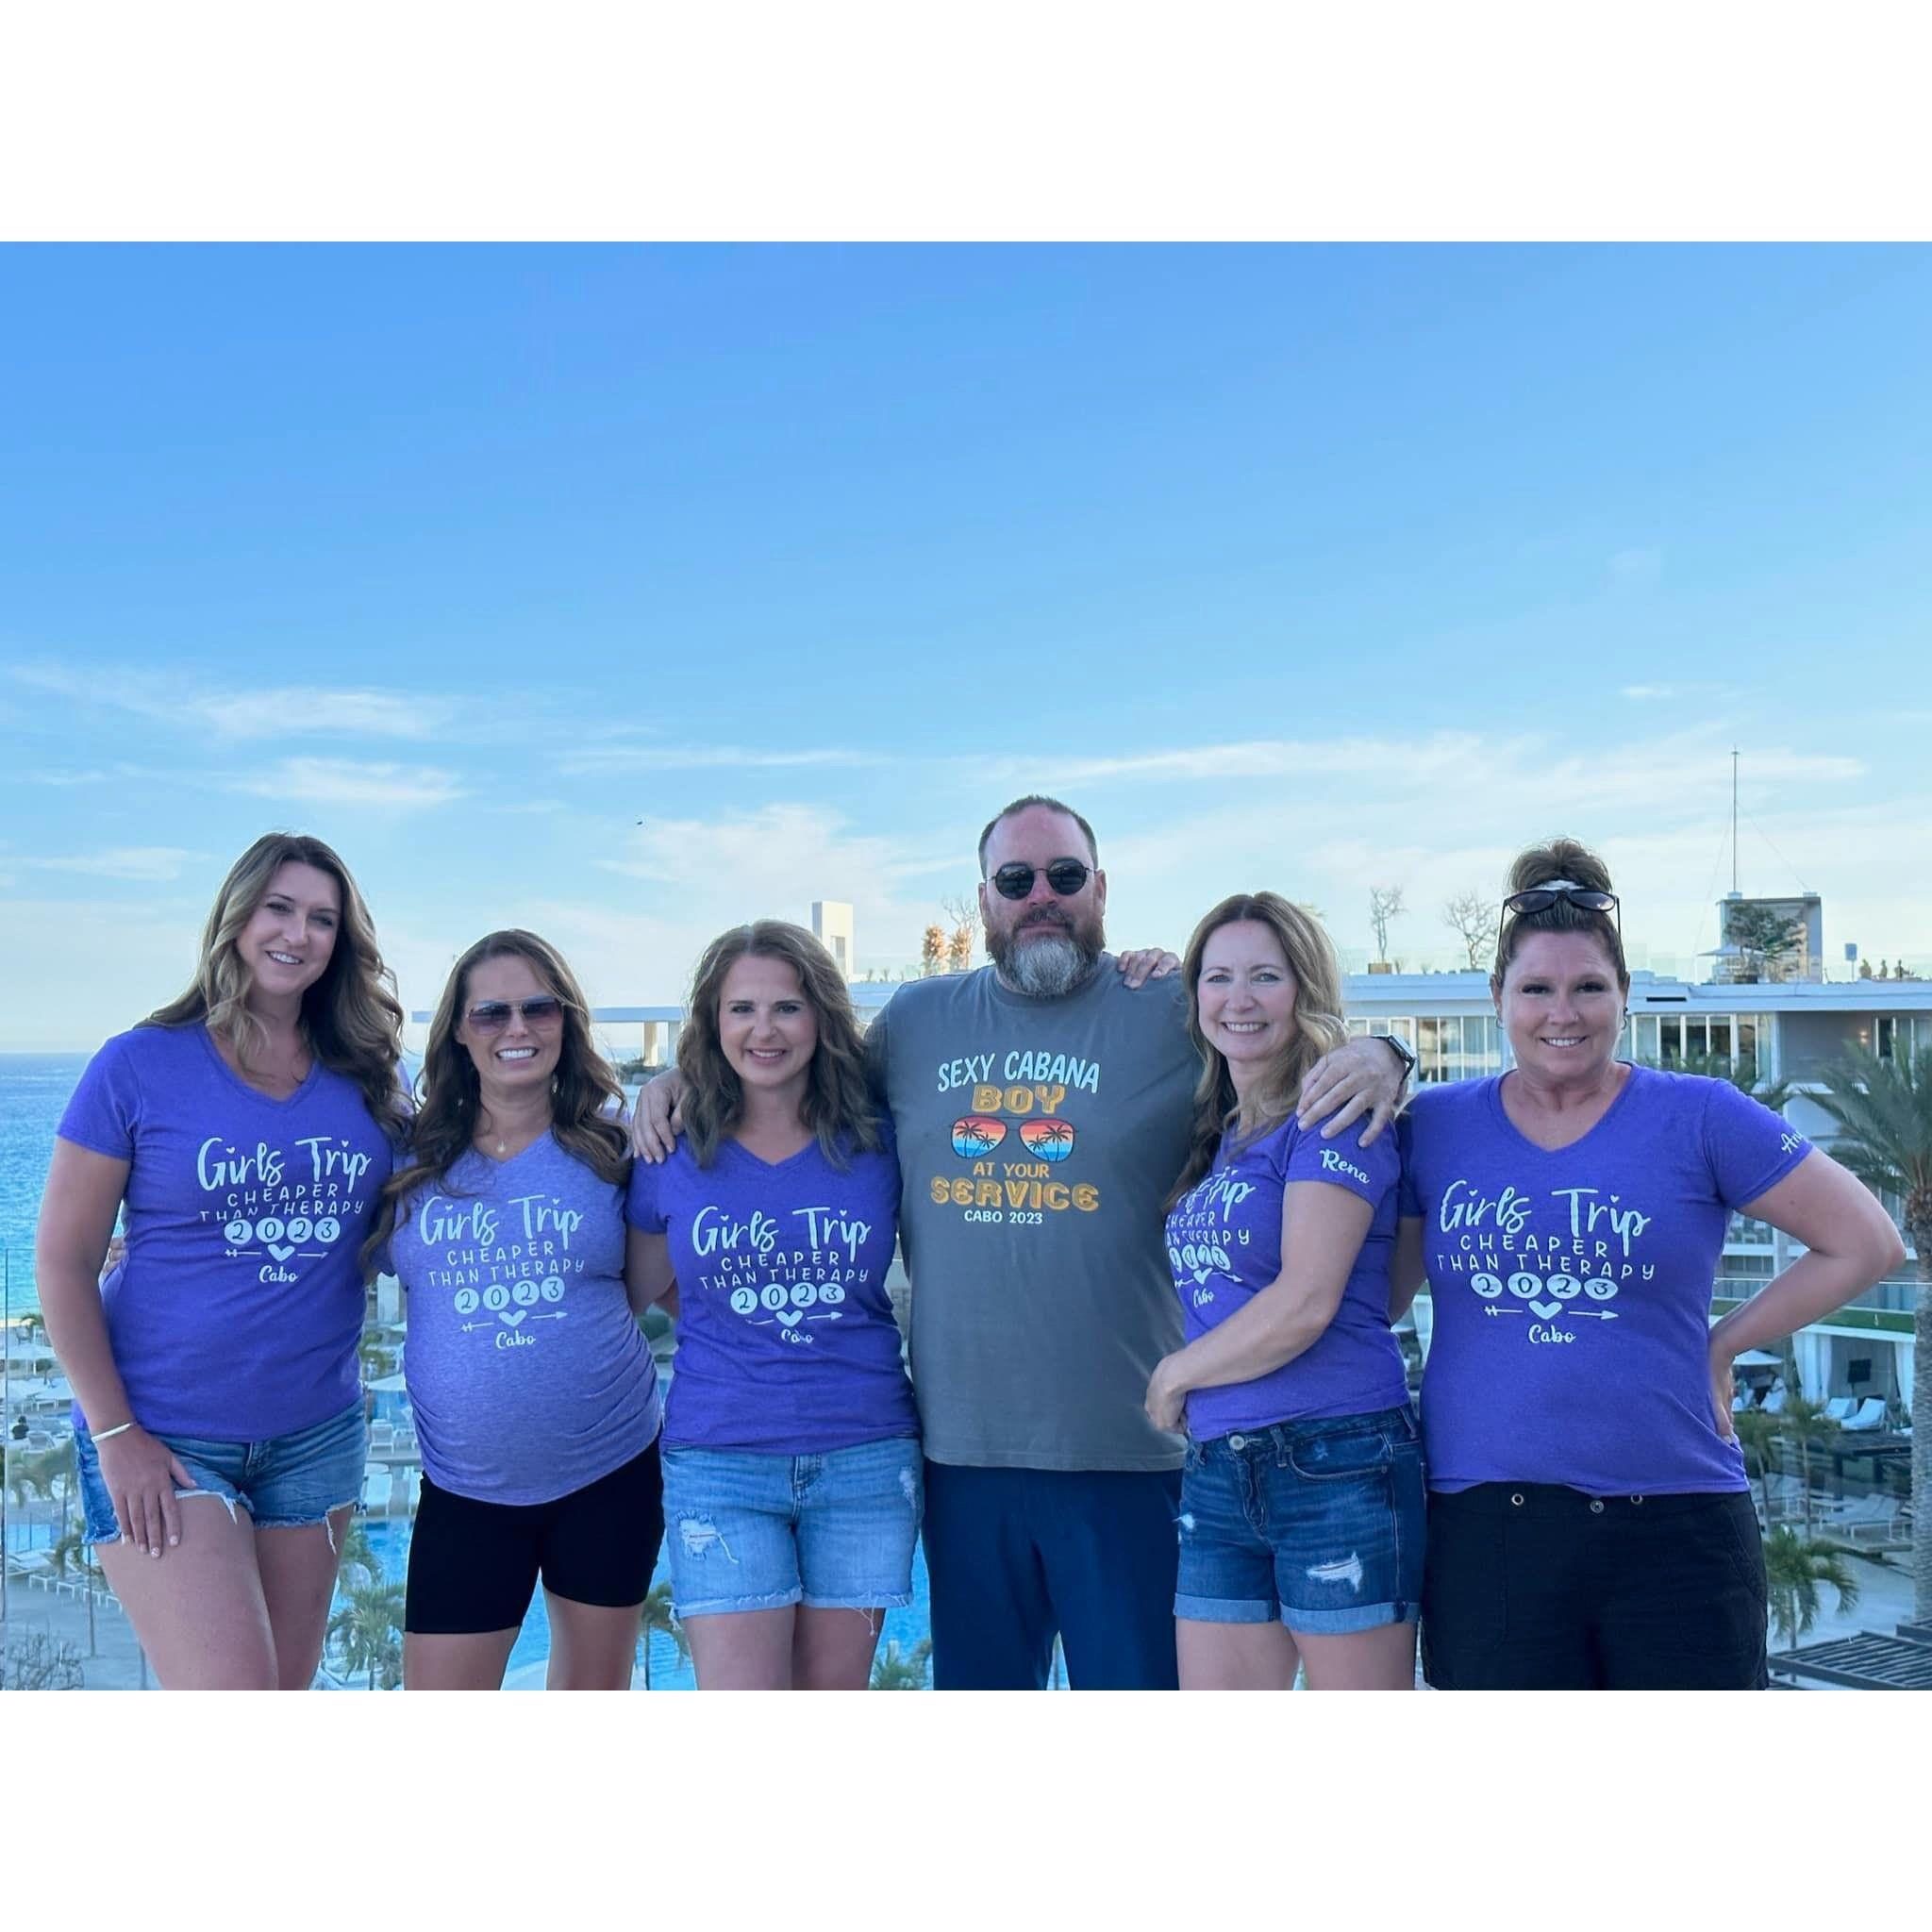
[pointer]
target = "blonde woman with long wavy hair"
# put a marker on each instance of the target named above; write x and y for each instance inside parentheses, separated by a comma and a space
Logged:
(792, 1479)
(248, 1127)
(1301, 1523)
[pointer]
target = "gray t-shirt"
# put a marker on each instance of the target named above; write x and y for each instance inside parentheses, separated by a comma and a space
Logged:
(1038, 1139)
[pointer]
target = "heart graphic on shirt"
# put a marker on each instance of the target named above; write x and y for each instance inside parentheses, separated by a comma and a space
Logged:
(789, 1318)
(511, 1318)
(1548, 1311)
(281, 1253)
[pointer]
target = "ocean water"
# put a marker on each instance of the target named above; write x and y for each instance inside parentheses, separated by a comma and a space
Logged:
(34, 1091)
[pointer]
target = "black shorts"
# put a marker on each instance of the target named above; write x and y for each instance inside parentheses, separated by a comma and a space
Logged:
(474, 1566)
(1536, 1586)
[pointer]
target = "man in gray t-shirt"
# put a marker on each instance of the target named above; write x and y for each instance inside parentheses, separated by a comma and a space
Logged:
(1042, 1108)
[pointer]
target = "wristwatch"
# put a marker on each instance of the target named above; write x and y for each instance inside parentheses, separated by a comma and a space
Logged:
(1403, 1052)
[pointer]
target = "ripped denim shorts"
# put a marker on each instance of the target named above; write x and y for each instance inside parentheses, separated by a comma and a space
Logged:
(749, 1531)
(1319, 1523)
(287, 1482)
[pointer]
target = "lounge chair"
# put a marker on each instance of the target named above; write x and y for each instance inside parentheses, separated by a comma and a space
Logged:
(1871, 1415)
(1773, 1402)
(1840, 1406)
(379, 1488)
(382, 1436)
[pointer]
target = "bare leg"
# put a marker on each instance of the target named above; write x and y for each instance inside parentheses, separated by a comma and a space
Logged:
(1234, 1656)
(198, 1609)
(469, 1662)
(742, 1650)
(832, 1650)
(298, 1578)
(1379, 1659)
(592, 1647)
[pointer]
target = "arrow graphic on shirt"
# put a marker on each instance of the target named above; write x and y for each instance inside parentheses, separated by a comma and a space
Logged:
(557, 1316)
(241, 1254)
(1594, 1314)
(1492, 1309)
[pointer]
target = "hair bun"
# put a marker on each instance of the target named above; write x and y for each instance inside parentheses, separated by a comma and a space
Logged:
(1560, 858)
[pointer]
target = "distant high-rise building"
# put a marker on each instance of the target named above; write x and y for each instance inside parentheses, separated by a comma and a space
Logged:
(831, 920)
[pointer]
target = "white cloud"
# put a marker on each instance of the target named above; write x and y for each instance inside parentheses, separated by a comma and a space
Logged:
(342, 781)
(668, 757)
(1642, 692)
(150, 863)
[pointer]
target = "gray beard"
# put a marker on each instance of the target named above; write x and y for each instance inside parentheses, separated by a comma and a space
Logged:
(1045, 969)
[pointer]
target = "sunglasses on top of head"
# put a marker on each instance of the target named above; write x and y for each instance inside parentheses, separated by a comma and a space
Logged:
(1065, 875)
(492, 1016)
(1541, 898)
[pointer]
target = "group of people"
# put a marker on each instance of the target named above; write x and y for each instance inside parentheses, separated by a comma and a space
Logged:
(1158, 1227)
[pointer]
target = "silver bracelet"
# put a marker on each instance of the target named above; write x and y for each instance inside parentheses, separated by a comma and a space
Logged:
(102, 1435)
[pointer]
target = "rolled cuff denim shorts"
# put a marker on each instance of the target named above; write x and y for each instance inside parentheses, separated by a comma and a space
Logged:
(1319, 1524)
(750, 1531)
(287, 1482)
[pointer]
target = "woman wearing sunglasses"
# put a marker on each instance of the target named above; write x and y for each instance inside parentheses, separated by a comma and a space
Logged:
(534, 1392)
(248, 1127)
(1301, 1513)
(1589, 1522)
(793, 1481)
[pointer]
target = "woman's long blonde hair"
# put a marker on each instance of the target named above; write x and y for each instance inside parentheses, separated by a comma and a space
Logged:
(351, 1017)
(1318, 1027)
(838, 1096)
(585, 1100)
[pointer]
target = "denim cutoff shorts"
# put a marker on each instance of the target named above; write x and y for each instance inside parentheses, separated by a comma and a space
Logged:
(287, 1482)
(748, 1531)
(1319, 1523)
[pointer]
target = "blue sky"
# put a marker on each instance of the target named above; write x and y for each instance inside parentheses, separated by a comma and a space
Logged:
(1305, 567)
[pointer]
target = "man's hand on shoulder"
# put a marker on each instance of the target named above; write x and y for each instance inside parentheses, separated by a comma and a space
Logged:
(1144, 963)
(659, 1119)
(1364, 1076)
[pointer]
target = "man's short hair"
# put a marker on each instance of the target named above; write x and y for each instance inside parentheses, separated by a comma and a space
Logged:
(1039, 798)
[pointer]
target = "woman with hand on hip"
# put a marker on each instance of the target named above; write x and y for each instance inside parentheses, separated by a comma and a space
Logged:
(249, 1127)
(534, 1392)
(1589, 1522)
(1300, 1521)
(793, 1480)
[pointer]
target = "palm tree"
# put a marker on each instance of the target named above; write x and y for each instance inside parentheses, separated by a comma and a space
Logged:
(1756, 1432)
(1884, 1115)
(900, 1669)
(1794, 1569)
(357, 1553)
(656, 1615)
(1741, 1073)
(1805, 1422)
(368, 1627)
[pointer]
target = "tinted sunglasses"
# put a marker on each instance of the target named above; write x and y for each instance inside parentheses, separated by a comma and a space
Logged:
(1541, 898)
(1065, 875)
(492, 1016)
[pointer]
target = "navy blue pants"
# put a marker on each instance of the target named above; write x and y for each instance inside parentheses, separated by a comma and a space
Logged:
(1016, 1555)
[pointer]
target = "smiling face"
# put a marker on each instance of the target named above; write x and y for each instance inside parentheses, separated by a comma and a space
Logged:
(1245, 996)
(522, 1058)
(290, 938)
(1044, 945)
(766, 1027)
(1562, 1007)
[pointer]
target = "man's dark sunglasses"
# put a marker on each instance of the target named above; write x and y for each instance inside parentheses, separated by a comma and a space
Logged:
(492, 1016)
(1065, 875)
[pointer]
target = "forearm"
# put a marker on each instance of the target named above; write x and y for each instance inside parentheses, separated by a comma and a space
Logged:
(77, 1330)
(1272, 1330)
(1811, 1287)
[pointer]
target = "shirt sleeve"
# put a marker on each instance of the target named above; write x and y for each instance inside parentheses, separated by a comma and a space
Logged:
(641, 1198)
(1748, 1148)
(876, 1043)
(103, 1114)
(1368, 1172)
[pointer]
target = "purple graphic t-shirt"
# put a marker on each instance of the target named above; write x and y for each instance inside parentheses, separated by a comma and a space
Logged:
(1572, 1289)
(1224, 1244)
(234, 1314)
(527, 1372)
(786, 1342)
